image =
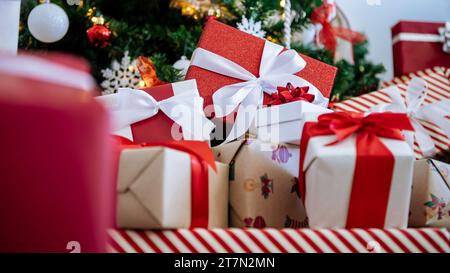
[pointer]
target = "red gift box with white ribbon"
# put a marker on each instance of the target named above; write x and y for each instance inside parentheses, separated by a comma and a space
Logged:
(165, 112)
(420, 45)
(237, 72)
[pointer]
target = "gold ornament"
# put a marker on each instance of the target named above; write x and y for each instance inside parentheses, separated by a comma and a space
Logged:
(98, 20)
(198, 9)
(91, 12)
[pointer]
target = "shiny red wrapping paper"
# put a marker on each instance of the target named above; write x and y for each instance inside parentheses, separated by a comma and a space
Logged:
(159, 127)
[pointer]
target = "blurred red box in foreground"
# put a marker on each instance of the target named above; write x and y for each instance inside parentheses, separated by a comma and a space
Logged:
(56, 190)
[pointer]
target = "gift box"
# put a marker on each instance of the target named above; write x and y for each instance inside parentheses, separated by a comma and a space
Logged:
(165, 112)
(430, 117)
(430, 201)
(56, 187)
(241, 75)
(420, 45)
(263, 184)
(356, 170)
(171, 185)
(268, 240)
(281, 121)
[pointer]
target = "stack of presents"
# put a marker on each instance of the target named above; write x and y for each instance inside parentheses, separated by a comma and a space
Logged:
(245, 155)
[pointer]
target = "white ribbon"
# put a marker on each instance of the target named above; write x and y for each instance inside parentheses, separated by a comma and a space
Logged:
(434, 113)
(37, 68)
(443, 36)
(129, 106)
(277, 68)
(444, 32)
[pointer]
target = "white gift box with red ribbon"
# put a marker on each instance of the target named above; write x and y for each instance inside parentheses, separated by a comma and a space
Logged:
(356, 170)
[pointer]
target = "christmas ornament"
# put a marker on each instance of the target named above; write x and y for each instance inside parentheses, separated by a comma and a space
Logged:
(251, 27)
(124, 74)
(214, 12)
(48, 22)
(99, 35)
(182, 65)
(287, 22)
(201, 8)
(148, 72)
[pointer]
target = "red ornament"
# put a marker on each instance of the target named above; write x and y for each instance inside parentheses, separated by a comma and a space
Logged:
(98, 35)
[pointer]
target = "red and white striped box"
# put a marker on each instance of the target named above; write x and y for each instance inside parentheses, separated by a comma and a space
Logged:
(438, 80)
(237, 240)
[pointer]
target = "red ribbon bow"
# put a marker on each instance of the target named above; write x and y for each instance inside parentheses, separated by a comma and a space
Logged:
(374, 161)
(290, 94)
(201, 157)
(328, 34)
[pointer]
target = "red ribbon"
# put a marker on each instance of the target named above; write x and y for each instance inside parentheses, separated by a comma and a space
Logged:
(374, 161)
(201, 157)
(328, 34)
(290, 94)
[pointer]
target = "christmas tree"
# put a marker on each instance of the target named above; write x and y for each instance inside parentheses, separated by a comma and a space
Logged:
(164, 31)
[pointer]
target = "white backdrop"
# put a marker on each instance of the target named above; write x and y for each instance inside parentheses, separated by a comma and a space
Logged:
(376, 17)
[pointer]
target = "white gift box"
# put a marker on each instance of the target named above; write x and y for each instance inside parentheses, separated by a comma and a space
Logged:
(282, 123)
(328, 175)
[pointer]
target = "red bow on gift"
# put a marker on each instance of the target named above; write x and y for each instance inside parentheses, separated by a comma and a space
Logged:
(201, 157)
(374, 161)
(343, 125)
(328, 34)
(290, 94)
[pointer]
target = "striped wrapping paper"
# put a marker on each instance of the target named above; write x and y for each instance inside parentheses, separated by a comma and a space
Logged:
(236, 240)
(438, 80)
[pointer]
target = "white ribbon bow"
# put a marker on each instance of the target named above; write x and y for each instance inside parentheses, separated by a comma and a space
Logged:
(277, 68)
(434, 113)
(444, 32)
(129, 106)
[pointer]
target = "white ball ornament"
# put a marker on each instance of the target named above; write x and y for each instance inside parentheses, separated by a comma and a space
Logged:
(48, 23)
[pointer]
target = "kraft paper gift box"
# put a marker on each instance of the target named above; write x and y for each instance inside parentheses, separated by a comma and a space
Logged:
(430, 201)
(164, 112)
(420, 45)
(158, 189)
(263, 184)
(426, 96)
(356, 170)
(236, 72)
(56, 187)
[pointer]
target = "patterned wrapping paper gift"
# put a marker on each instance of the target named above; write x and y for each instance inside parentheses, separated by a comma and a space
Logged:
(420, 45)
(430, 202)
(170, 185)
(263, 184)
(438, 90)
